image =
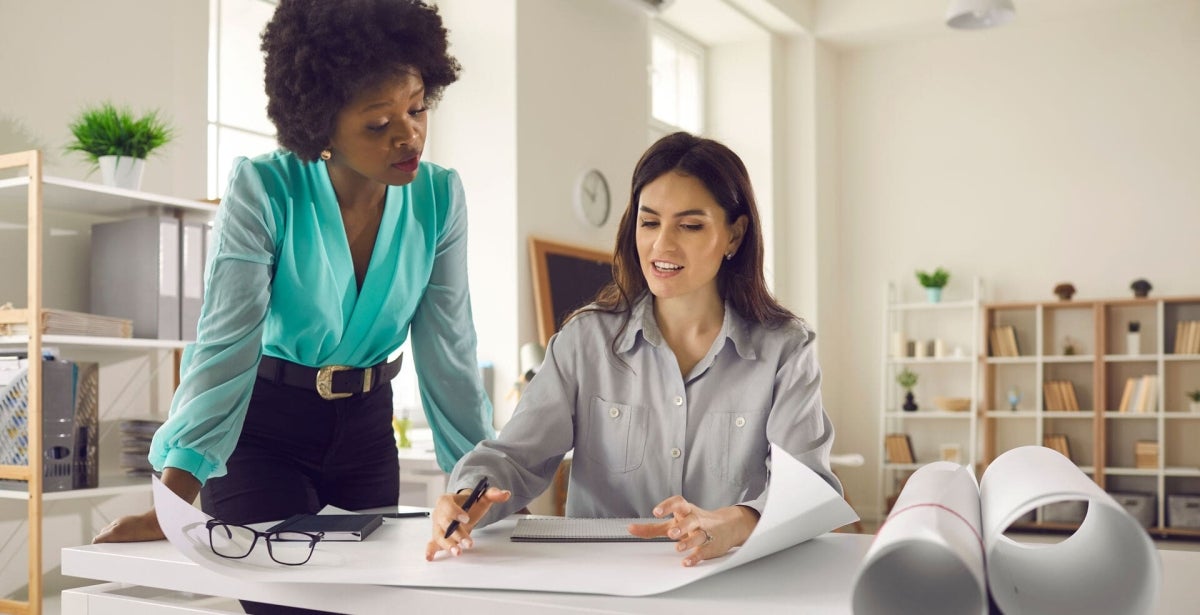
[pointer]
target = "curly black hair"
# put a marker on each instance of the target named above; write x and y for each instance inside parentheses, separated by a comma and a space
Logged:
(320, 54)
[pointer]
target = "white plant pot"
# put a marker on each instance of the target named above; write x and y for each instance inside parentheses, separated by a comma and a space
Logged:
(1194, 406)
(122, 171)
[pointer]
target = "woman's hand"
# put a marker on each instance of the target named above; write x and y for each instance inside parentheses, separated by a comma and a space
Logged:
(449, 509)
(707, 533)
(144, 527)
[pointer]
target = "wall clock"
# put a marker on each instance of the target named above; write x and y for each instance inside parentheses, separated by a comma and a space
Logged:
(592, 199)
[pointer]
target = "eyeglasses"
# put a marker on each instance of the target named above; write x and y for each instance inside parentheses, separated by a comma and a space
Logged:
(236, 542)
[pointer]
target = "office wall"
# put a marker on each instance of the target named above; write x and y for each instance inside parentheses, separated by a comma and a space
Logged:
(1044, 151)
(522, 136)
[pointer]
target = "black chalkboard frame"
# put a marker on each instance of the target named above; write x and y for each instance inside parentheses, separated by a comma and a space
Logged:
(565, 277)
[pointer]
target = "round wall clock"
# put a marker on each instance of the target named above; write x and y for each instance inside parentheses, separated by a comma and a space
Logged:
(592, 200)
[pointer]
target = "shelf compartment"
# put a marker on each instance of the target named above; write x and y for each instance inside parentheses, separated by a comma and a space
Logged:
(1068, 323)
(1180, 442)
(108, 486)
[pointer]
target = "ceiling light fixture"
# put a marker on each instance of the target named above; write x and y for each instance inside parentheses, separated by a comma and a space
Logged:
(979, 14)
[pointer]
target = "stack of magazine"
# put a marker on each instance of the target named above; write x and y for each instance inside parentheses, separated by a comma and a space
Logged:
(135, 445)
(63, 322)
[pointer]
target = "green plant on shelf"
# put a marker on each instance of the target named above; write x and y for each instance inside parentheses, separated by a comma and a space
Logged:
(108, 130)
(1194, 395)
(906, 379)
(937, 279)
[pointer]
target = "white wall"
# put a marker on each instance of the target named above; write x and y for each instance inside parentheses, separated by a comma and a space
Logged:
(60, 55)
(1044, 151)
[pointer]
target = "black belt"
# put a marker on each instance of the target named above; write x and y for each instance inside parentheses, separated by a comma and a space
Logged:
(331, 381)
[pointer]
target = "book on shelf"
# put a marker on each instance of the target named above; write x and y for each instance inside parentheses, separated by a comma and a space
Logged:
(1187, 337)
(946, 533)
(1057, 442)
(64, 322)
(1140, 395)
(1003, 339)
(898, 447)
(1060, 396)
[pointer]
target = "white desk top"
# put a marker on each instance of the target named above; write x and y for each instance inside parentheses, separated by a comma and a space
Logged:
(813, 577)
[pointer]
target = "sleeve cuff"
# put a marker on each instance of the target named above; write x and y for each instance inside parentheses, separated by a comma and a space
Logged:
(189, 461)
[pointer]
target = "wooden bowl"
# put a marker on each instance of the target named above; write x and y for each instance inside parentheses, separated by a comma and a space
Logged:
(952, 404)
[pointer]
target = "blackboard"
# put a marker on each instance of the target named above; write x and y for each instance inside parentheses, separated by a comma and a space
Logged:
(565, 278)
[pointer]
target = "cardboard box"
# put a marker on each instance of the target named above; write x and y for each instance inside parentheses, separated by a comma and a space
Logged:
(1183, 510)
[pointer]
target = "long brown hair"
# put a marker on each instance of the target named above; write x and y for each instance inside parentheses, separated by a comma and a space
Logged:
(740, 280)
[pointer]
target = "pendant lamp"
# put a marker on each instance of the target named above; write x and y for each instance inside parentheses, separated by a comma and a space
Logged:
(979, 14)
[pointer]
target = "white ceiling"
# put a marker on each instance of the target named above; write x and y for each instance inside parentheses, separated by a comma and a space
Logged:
(850, 23)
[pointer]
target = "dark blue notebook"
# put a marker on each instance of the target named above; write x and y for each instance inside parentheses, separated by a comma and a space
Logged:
(334, 527)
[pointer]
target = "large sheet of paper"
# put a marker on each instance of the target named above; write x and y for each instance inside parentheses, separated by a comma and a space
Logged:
(943, 545)
(800, 506)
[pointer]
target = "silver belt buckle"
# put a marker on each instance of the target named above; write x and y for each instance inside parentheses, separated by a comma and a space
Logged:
(325, 381)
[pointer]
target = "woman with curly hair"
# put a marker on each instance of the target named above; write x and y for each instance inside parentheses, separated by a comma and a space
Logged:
(327, 254)
(672, 386)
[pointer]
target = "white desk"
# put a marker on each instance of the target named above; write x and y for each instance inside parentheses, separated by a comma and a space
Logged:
(813, 577)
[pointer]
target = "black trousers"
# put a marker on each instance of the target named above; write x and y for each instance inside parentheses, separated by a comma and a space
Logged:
(298, 453)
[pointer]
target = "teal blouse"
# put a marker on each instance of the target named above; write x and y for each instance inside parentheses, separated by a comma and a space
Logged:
(280, 281)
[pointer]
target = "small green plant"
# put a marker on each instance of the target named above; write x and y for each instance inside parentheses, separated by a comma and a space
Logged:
(1194, 395)
(108, 130)
(906, 379)
(937, 279)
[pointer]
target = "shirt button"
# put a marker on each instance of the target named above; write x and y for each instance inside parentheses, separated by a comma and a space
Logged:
(678, 400)
(613, 412)
(676, 453)
(740, 421)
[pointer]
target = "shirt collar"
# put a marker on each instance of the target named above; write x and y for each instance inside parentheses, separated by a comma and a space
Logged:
(641, 320)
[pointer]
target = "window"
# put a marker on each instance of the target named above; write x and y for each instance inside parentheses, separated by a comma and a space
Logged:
(237, 105)
(676, 83)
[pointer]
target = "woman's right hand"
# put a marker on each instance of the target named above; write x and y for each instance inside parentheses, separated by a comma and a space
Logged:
(144, 527)
(131, 528)
(449, 509)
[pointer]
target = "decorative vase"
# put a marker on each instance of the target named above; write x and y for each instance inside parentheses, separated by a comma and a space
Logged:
(1133, 343)
(122, 171)
(910, 405)
(1194, 406)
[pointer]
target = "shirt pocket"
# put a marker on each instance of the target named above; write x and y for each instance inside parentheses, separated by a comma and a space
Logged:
(614, 435)
(742, 439)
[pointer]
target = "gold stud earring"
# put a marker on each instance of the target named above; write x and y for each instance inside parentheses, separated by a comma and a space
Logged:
(326, 154)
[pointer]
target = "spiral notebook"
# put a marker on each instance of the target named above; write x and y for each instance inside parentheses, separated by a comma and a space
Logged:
(560, 529)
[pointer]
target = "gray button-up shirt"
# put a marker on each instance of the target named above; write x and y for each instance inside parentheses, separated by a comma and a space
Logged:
(642, 432)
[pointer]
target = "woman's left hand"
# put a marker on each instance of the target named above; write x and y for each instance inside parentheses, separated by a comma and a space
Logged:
(707, 533)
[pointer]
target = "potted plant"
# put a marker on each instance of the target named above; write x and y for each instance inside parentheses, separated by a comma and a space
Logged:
(907, 380)
(933, 283)
(1194, 406)
(117, 141)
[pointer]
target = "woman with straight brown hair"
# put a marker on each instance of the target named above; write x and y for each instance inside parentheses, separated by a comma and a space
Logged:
(671, 387)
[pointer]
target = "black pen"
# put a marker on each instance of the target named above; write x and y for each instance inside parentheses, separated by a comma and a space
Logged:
(405, 515)
(476, 493)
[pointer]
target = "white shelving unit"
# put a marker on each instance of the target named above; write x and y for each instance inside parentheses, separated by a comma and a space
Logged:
(955, 374)
(38, 194)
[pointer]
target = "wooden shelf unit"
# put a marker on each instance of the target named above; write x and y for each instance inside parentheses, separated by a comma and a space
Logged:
(1101, 436)
(37, 194)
